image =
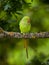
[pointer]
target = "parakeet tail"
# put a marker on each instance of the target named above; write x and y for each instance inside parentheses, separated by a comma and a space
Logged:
(25, 46)
(27, 52)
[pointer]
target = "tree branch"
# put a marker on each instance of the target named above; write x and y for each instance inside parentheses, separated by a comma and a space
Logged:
(6, 34)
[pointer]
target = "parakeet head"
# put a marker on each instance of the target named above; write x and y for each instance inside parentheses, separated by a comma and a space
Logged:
(26, 19)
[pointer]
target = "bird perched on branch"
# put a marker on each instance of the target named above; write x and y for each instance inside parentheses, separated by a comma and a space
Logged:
(25, 27)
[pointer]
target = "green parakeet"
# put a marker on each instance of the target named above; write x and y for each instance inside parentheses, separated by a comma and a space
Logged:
(25, 24)
(25, 27)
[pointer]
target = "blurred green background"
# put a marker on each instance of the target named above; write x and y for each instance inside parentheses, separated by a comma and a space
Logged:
(12, 51)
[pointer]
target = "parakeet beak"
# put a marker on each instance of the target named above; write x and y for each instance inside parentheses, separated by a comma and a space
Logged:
(29, 21)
